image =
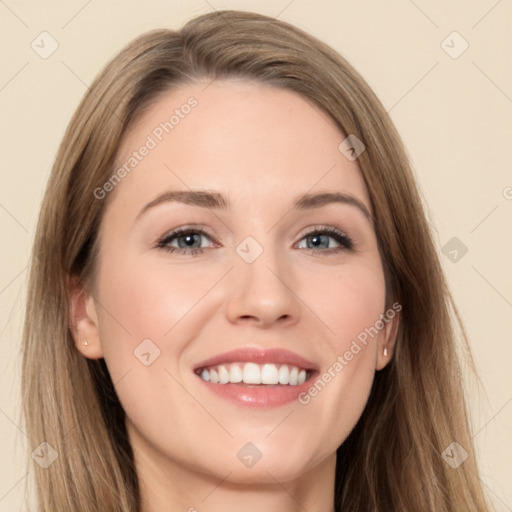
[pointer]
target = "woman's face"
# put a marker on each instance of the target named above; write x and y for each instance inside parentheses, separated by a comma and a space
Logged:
(253, 288)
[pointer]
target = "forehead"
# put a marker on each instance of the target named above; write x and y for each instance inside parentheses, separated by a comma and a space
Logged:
(253, 141)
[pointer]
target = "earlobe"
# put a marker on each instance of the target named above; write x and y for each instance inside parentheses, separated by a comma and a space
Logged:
(84, 325)
(386, 342)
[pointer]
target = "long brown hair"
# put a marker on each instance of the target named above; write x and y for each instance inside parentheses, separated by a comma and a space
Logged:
(392, 460)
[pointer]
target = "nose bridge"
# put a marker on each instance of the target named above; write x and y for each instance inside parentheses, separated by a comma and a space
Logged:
(260, 286)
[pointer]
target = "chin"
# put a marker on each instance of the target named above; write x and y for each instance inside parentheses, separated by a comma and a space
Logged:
(266, 473)
(253, 466)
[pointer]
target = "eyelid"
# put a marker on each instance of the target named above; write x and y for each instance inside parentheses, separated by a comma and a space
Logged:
(181, 230)
(321, 228)
(199, 228)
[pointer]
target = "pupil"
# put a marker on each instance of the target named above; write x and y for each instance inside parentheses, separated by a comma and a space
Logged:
(316, 239)
(189, 240)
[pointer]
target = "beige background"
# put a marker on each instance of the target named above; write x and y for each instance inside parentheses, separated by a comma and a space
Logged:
(453, 113)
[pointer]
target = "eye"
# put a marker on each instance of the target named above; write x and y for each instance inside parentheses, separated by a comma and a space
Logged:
(319, 238)
(188, 241)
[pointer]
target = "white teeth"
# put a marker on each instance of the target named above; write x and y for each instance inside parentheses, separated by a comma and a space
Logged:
(294, 376)
(269, 374)
(235, 374)
(223, 375)
(284, 374)
(252, 373)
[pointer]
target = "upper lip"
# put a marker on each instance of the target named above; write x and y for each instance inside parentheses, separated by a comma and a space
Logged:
(260, 356)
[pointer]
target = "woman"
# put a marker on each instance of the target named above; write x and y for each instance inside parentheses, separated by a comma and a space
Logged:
(235, 300)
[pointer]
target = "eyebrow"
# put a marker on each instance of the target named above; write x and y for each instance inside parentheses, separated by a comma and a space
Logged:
(215, 200)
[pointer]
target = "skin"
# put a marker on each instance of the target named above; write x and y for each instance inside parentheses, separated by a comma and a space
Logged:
(261, 147)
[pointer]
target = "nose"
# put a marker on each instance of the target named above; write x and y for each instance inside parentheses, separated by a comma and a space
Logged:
(262, 292)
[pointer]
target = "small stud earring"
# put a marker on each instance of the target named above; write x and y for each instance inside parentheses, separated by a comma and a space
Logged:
(385, 352)
(85, 343)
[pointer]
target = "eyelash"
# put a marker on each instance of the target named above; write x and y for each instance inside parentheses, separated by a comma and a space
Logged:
(346, 243)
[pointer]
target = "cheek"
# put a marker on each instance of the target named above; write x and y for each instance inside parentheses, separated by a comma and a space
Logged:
(348, 301)
(140, 303)
(149, 299)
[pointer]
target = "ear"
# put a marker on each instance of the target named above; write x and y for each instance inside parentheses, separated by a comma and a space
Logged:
(387, 339)
(84, 320)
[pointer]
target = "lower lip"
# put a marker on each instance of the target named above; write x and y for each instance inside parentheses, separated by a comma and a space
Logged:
(258, 396)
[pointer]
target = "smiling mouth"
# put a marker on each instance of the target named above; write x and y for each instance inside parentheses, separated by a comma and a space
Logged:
(267, 374)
